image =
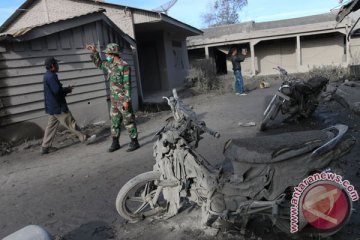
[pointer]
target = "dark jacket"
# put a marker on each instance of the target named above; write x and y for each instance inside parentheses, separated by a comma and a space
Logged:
(236, 60)
(54, 94)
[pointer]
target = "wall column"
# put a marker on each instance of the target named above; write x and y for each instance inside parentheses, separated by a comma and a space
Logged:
(207, 56)
(298, 53)
(348, 50)
(252, 51)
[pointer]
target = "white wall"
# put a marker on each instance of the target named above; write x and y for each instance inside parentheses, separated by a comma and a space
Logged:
(270, 54)
(326, 49)
(355, 50)
(177, 61)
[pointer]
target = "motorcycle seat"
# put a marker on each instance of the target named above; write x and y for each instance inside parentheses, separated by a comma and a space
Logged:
(317, 82)
(274, 148)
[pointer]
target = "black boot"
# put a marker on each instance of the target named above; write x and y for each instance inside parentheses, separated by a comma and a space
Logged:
(133, 145)
(115, 145)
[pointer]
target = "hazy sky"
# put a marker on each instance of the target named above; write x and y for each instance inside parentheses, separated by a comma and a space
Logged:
(189, 11)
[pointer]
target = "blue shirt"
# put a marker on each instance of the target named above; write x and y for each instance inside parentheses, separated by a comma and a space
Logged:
(54, 94)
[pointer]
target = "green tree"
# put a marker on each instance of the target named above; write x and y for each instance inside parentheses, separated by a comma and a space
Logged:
(223, 12)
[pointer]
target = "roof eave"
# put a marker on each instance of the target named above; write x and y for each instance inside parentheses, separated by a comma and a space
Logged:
(192, 30)
(117, 5)
(15, 15)
(65, 24)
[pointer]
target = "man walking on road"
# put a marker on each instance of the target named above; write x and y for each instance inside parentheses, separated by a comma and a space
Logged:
(236, 59)
(118, 73)
(57, 108)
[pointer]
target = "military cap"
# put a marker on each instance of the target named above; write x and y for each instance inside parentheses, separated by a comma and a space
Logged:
(112, 48)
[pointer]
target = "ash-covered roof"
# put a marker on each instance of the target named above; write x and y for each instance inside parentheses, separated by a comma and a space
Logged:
(247, 27)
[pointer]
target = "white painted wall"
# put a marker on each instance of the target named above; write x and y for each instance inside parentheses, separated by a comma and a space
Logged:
(355, 50)
(318, 50)
(271, 54)
(177, 61)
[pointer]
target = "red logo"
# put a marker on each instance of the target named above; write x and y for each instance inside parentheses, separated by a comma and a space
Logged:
(325, 206)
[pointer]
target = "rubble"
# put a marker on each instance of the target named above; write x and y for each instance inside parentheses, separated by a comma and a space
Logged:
(6, 148)
(348, 95)
(247, 124)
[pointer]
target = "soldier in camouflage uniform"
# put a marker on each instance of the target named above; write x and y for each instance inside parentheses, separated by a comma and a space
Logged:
(118, 73)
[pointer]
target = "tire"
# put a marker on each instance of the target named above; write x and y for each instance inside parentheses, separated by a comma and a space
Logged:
(270, 115)
(143, 189)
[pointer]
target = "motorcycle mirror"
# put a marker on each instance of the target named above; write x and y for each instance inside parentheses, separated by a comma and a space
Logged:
(167, 99)
(175, 94)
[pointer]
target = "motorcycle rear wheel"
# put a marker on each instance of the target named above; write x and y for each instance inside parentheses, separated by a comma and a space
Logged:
(134, 201)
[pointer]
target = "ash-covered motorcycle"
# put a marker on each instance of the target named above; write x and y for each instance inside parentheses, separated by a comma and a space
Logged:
(295, 97)
(260, 181)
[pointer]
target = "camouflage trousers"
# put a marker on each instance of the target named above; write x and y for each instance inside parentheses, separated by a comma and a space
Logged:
(119, 115)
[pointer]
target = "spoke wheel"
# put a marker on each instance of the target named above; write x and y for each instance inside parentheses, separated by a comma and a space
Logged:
(141, 197)
(271, 114)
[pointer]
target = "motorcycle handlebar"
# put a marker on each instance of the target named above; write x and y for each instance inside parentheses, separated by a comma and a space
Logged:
(189, 114)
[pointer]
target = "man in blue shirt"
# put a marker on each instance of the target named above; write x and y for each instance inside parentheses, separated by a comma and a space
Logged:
(56, 107)
(236, 59)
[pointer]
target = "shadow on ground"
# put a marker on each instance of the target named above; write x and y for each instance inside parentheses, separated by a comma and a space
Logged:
(95, 230)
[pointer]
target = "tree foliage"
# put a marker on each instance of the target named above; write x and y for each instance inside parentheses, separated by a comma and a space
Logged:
(223, 12)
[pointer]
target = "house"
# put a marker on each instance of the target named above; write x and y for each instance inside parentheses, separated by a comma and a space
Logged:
(296, 44)
(22, 55)
(154, 44)
(161, 40)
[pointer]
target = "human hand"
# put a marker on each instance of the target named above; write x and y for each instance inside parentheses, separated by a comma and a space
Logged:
(244, 51)
(91, 47)
(126, 105)
(70, 88)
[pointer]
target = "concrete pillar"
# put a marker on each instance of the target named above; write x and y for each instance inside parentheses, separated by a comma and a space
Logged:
(348, 50)
(207, 56)
(298, 53)
(252, 51)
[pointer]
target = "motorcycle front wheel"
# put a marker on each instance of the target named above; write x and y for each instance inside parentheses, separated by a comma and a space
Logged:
(140, 197)
(271, 114)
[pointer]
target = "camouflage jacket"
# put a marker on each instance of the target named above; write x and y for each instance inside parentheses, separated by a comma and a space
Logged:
(119, 76)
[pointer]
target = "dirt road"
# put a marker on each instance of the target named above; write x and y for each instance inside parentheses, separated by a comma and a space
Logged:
(71, 192)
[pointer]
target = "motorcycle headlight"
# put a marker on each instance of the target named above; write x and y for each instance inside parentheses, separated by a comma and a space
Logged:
(286, 90)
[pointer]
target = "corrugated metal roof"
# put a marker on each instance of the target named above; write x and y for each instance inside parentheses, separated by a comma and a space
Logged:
(23, 31)
(28, 3)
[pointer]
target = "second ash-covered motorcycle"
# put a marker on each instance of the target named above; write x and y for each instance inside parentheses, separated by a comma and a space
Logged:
(260, 181)
(295, 97)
